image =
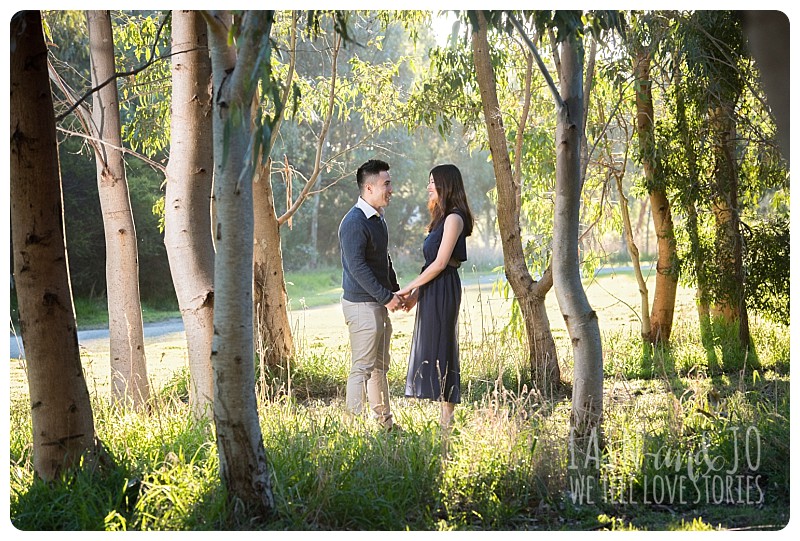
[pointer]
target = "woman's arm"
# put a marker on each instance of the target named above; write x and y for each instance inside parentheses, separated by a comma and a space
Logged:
(453, 225)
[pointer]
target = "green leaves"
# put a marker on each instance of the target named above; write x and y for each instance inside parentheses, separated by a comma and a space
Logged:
(767, 263)
(340, 19)
(145, 96)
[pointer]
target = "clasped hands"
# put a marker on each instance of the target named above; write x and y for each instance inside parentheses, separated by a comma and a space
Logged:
(403, 300)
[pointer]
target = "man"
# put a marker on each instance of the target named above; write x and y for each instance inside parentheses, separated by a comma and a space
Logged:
(368, 283)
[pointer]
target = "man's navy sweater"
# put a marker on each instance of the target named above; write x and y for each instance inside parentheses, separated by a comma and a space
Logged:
(367, 272)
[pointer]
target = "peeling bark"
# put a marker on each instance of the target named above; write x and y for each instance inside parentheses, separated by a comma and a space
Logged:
(666, 276)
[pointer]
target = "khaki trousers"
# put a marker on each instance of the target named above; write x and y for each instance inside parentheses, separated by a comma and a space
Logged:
(370, 334)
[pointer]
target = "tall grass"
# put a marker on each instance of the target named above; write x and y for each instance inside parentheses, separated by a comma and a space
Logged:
(505, 465)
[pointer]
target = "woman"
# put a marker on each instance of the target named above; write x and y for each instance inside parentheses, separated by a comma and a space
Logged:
(433, 368)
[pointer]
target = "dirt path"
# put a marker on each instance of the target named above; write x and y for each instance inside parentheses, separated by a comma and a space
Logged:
(613, 297)
(165, 342)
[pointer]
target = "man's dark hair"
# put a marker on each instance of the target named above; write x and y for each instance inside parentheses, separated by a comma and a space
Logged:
(371, 167)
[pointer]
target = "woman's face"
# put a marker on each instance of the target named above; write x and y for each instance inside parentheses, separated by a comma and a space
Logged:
(433, 195)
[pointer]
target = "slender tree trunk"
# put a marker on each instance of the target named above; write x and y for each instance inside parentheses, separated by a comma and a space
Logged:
(701, 292)
(666, 290)
(666, 275)
(243, 464)
(274, 342)
(61, 413)
(725, 206)
(633, 251)
(689, 207)
(129, 381)
(545, 372)
(315, 231)
(273, 331)
(580, 319)
(187, 211)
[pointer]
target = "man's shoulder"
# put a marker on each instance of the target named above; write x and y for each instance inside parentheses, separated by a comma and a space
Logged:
(353, 215)
(354, 219)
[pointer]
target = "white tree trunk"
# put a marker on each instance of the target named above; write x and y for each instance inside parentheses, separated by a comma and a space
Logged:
(61, 412)
(129, 381)
(243, 464)
(580, 319)
(187, 209)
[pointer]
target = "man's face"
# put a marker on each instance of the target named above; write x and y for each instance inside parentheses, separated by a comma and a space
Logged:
(378, 190)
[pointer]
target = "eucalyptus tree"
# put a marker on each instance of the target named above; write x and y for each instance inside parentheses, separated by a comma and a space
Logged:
(143, 100)
(273, 334)
(129, 380)
(64, 436)
(580, 318)
(646, 32)
(716, 83)
(530, 294)
(726, 86)
(236, 67)
(721, 157)
(682, 159)
(187, 207)
(93, 123)
(614, 154)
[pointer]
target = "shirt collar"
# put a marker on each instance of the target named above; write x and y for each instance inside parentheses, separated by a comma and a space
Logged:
(368, 210)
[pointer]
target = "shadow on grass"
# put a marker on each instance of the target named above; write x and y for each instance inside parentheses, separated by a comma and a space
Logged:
(724, 350)
(84, 500)
(723, 353)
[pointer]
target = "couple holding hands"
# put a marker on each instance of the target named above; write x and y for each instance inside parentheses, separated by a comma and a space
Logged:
(370, 291)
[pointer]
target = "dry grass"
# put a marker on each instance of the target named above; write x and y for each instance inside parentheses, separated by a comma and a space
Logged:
(614, 297)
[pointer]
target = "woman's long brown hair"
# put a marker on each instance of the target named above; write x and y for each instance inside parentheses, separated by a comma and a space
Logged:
(450, 187)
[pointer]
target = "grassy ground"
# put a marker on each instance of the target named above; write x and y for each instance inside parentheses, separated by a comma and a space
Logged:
(695, 437)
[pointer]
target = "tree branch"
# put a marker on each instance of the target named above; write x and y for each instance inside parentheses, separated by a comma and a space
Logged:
(153, 59)
(521, 135)
(83, 113)
(249, 50)
(320, 139)
(289, 78)
(93, 140)
(342, 152)
(550, 84)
